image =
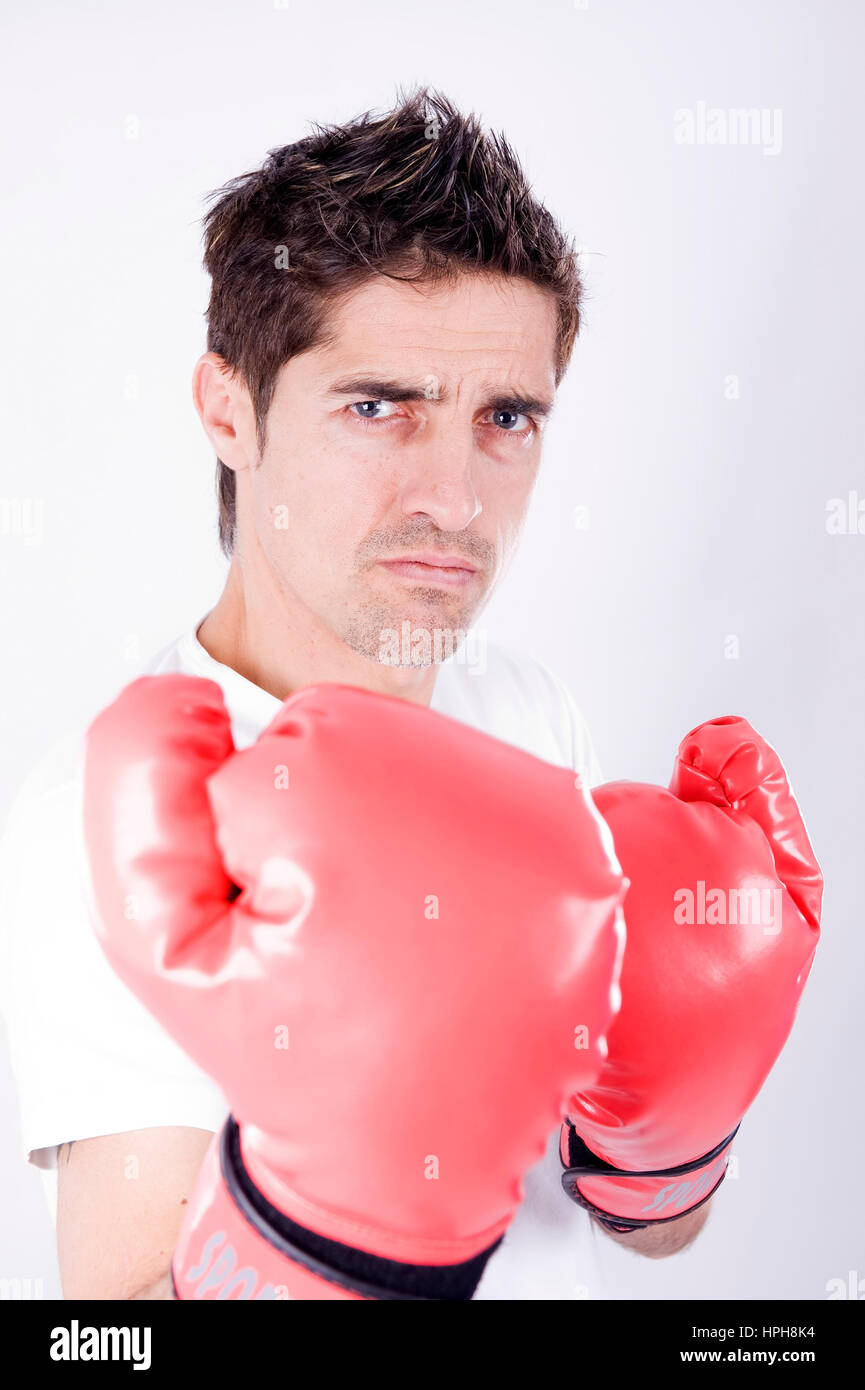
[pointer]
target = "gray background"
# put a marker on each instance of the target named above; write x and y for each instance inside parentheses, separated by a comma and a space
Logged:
(713, 410)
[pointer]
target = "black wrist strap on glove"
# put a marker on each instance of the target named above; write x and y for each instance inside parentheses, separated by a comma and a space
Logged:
(581, 1162)
(371, 1276)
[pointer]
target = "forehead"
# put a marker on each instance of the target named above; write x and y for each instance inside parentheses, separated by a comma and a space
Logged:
(474, 320)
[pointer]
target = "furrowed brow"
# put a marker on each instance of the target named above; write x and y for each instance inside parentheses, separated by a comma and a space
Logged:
(379, 389)
(522, 405)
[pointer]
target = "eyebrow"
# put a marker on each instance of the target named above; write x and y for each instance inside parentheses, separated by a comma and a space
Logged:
(377, 389)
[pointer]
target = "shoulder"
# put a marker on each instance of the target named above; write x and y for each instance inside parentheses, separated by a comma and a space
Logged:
(53, 781)
(509, 693)
(47, 945)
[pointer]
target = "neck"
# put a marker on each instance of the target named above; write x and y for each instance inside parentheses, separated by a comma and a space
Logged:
(267, 635)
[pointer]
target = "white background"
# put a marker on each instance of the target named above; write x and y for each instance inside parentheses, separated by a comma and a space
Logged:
(707, 514)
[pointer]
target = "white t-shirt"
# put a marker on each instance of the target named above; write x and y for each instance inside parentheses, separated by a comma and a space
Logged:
(88, 1058)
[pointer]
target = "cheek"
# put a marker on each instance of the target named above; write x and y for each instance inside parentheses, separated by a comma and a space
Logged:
(315, 512)
(353, 490)
(505, 496)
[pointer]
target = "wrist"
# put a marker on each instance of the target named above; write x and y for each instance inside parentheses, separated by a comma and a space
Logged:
(628, 1200)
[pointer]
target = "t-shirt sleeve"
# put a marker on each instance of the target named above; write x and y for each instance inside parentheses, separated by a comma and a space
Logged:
(86, 1056)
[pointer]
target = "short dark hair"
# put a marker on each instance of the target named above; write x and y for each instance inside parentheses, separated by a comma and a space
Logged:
(421, 193)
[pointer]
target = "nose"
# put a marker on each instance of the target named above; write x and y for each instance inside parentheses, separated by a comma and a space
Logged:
(440, 485)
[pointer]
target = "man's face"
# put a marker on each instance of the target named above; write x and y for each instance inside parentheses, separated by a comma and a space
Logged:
(400, 459)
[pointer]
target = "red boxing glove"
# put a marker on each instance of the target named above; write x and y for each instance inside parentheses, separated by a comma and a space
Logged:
(723, 919)
(378, 930)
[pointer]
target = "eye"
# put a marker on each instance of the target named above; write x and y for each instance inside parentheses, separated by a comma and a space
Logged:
(371, 410)
(507, 420)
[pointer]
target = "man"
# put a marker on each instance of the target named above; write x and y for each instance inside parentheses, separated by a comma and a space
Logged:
(391, 314)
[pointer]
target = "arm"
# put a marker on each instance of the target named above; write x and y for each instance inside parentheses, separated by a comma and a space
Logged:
(667, 1238)
(121, 1199)
(652, 1139)
(163, 1289)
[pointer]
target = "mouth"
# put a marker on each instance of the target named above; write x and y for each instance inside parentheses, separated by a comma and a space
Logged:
(438, 571)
